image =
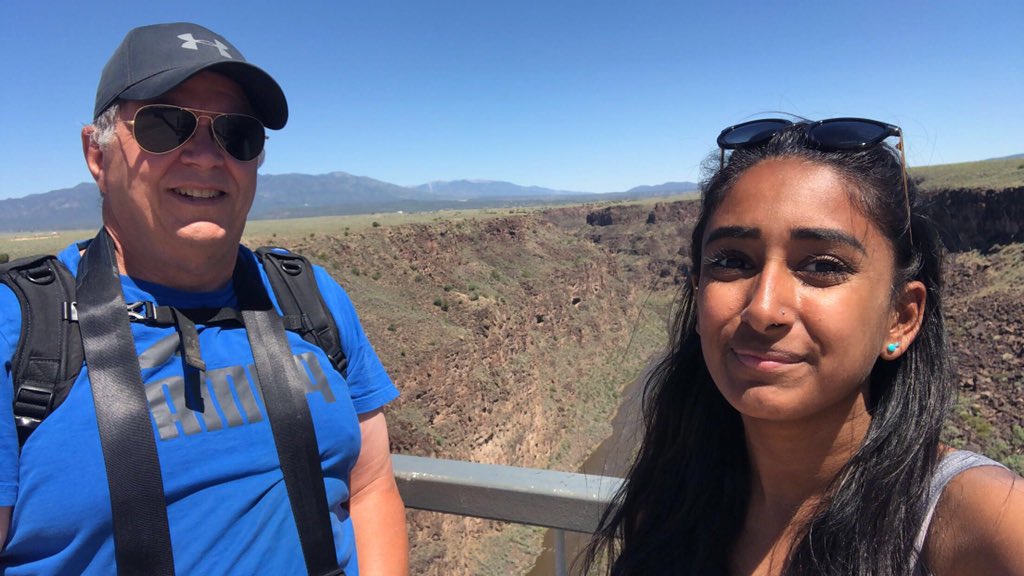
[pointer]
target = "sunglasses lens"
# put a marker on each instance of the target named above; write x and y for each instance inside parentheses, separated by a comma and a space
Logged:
(750, 133)
(848, 134)
(160, 129)
(240, 135)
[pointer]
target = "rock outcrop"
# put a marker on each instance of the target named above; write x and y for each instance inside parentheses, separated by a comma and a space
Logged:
(978, 219)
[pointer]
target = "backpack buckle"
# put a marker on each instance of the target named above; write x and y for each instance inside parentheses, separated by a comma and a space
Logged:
(339, 361)
(32, 404)
(140, 311)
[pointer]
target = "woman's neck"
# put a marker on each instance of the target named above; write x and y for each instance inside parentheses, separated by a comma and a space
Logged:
(793, 463)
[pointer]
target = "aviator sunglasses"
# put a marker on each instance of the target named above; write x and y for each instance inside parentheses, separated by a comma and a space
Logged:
(162, 128)
(830, 135)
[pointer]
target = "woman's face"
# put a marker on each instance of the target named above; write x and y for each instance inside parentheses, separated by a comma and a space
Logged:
(794, 294)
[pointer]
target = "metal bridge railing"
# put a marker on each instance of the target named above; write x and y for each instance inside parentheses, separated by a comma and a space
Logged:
(558, 500)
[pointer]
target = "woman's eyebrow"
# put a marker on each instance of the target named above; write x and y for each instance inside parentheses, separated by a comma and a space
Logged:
(828, 235)
(743, 232)
(821, 234)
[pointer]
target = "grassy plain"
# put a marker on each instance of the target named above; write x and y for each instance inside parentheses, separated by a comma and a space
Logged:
(989, 174)
(19, 244)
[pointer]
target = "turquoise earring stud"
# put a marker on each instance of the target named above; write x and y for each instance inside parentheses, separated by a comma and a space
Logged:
(893, 347)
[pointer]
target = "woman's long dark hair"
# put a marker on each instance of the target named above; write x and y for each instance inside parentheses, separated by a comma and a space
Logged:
(685, 498)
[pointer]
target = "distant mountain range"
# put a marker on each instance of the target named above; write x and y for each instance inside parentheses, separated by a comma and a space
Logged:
(300, 195)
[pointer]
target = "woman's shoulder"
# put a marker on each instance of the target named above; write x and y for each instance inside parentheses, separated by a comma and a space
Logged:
(978, 526)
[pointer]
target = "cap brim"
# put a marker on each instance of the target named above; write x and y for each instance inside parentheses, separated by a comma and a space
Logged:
(265, 95)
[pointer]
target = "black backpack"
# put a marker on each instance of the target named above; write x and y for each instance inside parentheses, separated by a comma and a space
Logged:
(49, 355)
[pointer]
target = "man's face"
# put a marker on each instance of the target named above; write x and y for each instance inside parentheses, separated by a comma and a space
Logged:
(191, 200)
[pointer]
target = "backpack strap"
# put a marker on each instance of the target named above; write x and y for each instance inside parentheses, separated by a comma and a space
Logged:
(284, 392)
(142, 539)
(294, 283)
(49, 354)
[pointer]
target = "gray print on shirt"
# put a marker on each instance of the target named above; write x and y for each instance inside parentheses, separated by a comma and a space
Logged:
(231, 393)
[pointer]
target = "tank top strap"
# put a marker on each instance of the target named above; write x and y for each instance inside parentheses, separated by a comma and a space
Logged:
(948, 468)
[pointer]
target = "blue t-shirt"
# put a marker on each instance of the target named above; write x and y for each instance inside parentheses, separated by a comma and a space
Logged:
(227, 504)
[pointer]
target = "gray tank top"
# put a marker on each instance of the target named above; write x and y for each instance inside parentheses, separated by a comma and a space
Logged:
(952, 464)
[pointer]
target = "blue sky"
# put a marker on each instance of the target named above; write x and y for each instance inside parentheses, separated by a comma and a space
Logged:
(584, 95)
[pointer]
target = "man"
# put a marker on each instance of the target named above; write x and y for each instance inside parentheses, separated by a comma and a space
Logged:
(174, 149)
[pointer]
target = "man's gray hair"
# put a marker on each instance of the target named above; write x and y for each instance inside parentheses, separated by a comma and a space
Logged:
(104, 124)
(103, 133)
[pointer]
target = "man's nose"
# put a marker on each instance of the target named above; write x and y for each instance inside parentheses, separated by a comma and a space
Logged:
(202, 147)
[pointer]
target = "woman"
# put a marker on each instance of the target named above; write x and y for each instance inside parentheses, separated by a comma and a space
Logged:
(794, 426)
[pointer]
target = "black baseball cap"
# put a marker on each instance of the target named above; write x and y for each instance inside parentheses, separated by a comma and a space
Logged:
(154, 59)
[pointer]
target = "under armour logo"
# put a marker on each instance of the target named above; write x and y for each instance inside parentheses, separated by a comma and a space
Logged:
(193, 44)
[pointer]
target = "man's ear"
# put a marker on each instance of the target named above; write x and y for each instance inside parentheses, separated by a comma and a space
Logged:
(907, 317)
(93, 154)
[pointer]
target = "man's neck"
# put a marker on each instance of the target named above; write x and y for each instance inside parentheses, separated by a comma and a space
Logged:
(191, 268)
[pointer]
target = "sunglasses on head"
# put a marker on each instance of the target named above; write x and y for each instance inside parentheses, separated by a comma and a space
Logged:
(834, 134)
(162, 128)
